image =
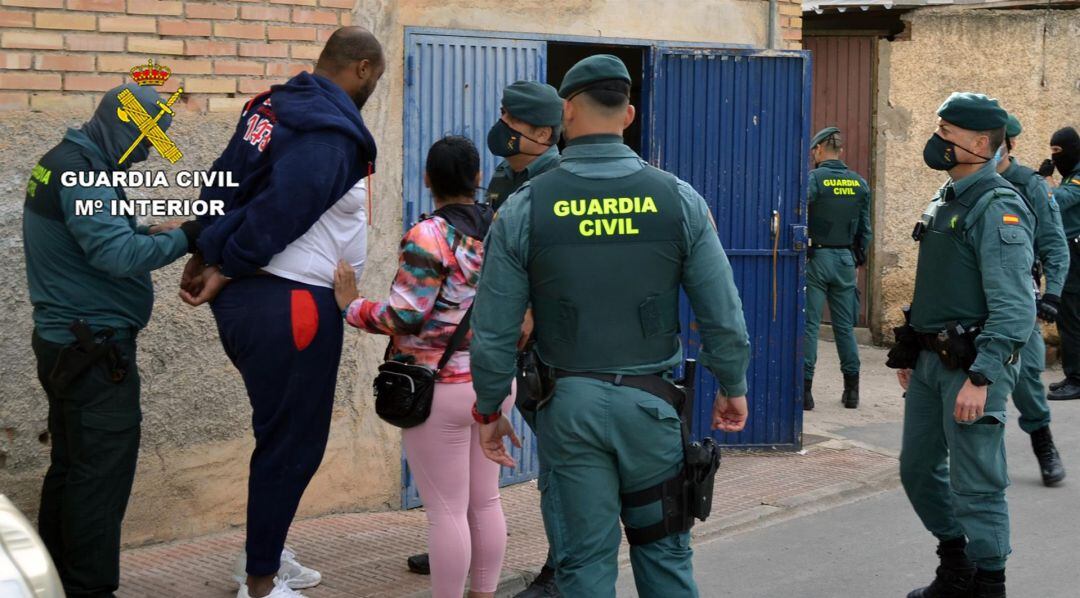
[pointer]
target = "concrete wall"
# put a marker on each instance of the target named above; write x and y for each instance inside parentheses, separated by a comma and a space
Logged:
(196, 432)
(999, 53)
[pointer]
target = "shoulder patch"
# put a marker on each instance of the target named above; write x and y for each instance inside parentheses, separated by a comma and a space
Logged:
(1075, 181)
(1010, 219)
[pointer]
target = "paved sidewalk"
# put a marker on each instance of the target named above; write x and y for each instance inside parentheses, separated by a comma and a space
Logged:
(363, 554)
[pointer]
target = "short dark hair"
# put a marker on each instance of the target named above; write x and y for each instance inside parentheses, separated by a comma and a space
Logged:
(452, 166)
(997, 137)
(348, 45)
(833, 142)
(611, 94)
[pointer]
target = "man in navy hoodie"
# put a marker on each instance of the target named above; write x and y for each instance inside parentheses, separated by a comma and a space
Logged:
(296, 151)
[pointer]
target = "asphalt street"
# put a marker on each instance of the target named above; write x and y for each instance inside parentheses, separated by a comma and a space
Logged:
(876, 547)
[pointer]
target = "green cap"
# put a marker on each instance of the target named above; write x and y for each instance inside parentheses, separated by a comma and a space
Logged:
(533, 102)
(599, 67)
(822, 135)
(1012, 127)
(973, 111)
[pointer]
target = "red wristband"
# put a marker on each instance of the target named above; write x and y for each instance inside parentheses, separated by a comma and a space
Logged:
(484, 419)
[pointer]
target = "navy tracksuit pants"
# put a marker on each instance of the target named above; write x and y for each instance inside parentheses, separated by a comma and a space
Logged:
(285, 338)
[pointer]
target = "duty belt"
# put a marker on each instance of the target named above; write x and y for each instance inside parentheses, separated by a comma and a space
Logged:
(653, 384)
(820, 246)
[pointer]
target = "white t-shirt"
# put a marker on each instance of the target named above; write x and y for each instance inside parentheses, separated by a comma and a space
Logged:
(339, 234)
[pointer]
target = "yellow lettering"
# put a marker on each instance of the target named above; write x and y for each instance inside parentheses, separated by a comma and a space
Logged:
(595, 207)
(562, 208)
(577, 207)
(648, 206)
(586, 228)
(609, 226)
(626, 205)
(611, 205)
(630, 230)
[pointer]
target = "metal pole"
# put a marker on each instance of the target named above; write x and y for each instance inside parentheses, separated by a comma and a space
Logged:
(772, 24)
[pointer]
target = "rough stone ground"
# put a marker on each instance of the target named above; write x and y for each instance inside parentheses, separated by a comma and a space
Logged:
(363, 554)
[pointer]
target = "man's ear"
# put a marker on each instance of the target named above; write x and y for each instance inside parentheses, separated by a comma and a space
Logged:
(363, 69)
(568, 112)
(631, 112)
(479, 177)
(546, 135)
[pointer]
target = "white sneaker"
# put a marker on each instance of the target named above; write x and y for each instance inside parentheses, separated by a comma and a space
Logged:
(281, 590)
(297, 576)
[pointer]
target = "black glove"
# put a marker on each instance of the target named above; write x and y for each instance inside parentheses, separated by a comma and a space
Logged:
(191, 229)
(905, 353)
(858, 252)
(1046, 168)
(1047, 307)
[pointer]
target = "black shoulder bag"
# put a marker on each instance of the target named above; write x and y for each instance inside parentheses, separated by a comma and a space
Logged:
(404, 392)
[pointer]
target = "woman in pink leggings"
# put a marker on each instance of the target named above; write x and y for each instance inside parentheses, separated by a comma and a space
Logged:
(439, 269)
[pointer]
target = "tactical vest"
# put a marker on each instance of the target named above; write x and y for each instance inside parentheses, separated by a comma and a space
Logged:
(948, 282)
(839, 195)
(605, 262)
(43, 188)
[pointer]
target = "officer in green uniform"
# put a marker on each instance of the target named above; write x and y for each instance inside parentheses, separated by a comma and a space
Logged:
(89, 280)
(839, 217)
(1052, 260)
(973, 310)
(525, 136)
(1065, 145)
(600, 247)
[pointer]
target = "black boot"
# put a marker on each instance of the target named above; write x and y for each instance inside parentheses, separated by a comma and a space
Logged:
(541, 587)
(989, 584)
(420, 564)
(807, 396)
(851, 391)
(955, 575)
(1068, 391)
(1058, 385)
(1053, 471)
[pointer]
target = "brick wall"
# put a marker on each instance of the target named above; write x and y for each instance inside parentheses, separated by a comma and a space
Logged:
(790, 15)
(61, 54)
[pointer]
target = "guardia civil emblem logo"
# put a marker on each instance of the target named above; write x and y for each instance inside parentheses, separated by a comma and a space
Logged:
(131, 110)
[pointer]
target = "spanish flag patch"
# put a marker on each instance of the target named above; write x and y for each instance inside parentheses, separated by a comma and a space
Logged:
(1010, 219)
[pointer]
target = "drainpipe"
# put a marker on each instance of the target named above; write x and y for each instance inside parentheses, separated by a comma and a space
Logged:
(772, 24)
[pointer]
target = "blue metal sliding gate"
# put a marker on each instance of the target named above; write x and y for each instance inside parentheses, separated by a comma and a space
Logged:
(453, 85)
(734, 123)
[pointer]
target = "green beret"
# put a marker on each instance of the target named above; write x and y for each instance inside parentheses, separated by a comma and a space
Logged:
(599, 67)
(822, 135)
(533, 102)
(1012, 127)
(973, 111)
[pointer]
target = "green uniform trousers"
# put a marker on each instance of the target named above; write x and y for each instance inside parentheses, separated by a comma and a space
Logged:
(94, 429)
(955, 474)
(596, 441)
(530, 419)
(1029, 394)
(830, 275)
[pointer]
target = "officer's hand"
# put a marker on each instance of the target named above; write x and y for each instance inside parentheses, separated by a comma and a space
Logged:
(165, 227)
(904, 376)
(526, 329)
(1047, 308)
(194, 267)
(970, 403)
(491, 441)
(204, 287)
(729, 413)
(345, 285)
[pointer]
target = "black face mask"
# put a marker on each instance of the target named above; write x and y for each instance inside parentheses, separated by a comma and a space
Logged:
(1067, 158)
(505, 141)
(940, 153)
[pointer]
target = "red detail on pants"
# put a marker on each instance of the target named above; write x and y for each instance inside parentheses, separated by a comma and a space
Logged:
(305, 318)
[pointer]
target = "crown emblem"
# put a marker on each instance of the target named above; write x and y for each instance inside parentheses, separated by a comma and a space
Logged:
(150, 73)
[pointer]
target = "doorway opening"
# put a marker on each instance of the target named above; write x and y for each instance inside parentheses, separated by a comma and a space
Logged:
(561, 56)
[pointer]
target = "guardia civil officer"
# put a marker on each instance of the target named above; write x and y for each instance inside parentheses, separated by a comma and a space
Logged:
(89, 280)
(1065, 148)
(1052, 260)
(526, 137)
(601, 246)
(973, 309)
(839, 216)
